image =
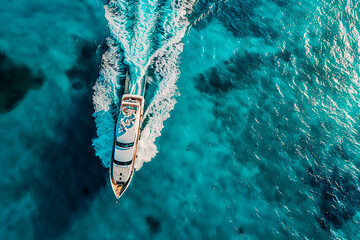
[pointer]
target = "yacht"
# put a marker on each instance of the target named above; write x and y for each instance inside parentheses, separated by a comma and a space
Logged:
(126, 142)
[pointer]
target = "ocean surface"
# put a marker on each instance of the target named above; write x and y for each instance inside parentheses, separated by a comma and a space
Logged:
(251, 121)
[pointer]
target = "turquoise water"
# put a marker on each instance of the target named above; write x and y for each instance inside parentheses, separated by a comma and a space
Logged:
(251, 119)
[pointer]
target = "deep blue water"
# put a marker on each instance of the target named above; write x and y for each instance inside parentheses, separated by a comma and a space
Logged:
(251, 128)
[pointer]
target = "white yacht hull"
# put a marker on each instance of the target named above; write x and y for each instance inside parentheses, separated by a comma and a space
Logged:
(119, 187)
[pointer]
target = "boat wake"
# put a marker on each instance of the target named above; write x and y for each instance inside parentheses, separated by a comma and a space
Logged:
(138, 44)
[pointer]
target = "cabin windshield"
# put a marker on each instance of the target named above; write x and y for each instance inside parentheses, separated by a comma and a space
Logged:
(124, 145)
(122, 163)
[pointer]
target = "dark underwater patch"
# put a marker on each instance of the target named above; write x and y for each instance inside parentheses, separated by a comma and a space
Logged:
(153, 223)
(212, 83)
(240, 231)
(286, 55)
(239, 18)
(72, 175)
(15, 81)
(282, 3)
(339, 196)
(84, 73)
(233, 73)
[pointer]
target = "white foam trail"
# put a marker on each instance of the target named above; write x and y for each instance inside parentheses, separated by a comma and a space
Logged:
(141, 47)
(167, 67)
(107, 85)
(138, 56)
(163, 102)
(104, 96)
(115, 14)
